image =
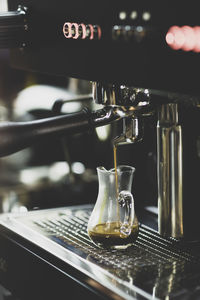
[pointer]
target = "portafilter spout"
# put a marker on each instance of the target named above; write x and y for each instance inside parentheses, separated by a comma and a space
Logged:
(135, 102)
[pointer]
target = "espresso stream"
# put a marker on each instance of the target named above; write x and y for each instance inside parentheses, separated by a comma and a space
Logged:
(116, 180)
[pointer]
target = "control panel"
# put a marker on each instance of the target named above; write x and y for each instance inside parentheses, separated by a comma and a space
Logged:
(148, 44)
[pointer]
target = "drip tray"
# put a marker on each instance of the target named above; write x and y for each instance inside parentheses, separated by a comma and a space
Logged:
(153, 268)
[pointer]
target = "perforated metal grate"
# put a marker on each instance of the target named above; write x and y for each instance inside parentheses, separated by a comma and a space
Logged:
(161, 267)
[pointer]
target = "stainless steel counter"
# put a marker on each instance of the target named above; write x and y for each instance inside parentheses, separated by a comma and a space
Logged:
(153, 268)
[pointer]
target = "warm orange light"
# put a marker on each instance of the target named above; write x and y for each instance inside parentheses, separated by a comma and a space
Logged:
(186, 38)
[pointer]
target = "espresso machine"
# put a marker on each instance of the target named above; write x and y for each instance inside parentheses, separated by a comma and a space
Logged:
(141, 58)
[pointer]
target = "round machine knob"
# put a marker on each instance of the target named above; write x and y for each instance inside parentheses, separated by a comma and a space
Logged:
(130, 33)
(13, 28)
(81, 31)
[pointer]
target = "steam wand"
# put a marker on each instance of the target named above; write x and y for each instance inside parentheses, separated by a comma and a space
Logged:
(15, 136)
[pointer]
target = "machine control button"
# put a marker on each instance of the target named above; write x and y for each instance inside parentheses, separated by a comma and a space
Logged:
(81, 31)
(129, 33)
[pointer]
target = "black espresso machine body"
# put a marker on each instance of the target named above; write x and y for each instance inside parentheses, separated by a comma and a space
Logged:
(128, 45)
(142, 57)
(151, 46)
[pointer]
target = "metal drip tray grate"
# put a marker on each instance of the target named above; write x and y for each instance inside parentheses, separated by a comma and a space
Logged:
(154, 267)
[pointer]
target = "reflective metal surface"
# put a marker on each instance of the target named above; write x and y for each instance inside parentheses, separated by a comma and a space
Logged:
(132, 131)
(170, 185)
(134, 102)
(121, 95)
(153, 268)
(3, 5)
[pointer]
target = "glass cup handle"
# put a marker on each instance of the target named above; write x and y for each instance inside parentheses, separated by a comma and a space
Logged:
(126, 201)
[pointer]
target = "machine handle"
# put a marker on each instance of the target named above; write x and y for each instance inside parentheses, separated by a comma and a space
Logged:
(13, 28)
(15, 136)
(125, 199)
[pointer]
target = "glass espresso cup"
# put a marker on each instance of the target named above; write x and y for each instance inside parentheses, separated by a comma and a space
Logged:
(113, 222)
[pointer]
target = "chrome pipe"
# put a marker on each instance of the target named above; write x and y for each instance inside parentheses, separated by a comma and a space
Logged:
(170, 173)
